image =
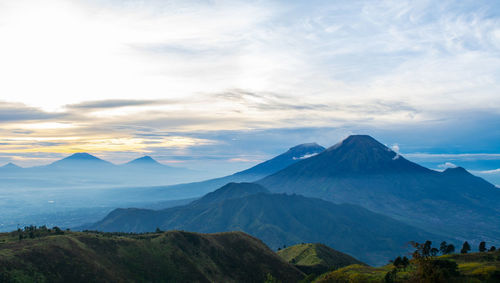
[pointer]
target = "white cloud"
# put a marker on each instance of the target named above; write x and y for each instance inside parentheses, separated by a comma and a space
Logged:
(426, 54)
(395, 148)
(458, 156)
(494, 171)
(305, 156)
(447, 165)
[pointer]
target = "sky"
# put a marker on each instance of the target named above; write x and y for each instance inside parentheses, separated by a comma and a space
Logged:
(223, 85)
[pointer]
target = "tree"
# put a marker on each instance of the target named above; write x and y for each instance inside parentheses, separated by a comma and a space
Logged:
(58, 230)
(398, 262)
(426, 249)
(450, 249)
(465, 248)
(434, 252)
(429, 269)
(443, 247)
(405, 262)
(390, 277)
(492, 249)
(482, 247)
(158, 230)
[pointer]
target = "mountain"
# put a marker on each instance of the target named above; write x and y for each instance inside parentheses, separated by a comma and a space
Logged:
(148, 165)
(10, 166)
(230, 191)
(145, 160)
(259, 171)
(74, 191)
(360, 170)
(278, 220)
(283, 160)
(78, 161)
(159, 257)
(316, 258)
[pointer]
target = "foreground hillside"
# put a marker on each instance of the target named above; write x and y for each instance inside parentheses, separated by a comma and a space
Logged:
(58, 256)
(466, 268)
(277, 219)
(316, 258)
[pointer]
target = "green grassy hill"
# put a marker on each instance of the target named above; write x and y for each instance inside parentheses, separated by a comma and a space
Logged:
(473, 267)
(316, 258)
(156, 257)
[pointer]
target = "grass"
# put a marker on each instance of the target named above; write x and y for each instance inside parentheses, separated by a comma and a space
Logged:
(473, 267)
(173, 256)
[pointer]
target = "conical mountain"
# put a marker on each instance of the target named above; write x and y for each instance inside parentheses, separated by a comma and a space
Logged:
(361, 170)
(11, 166)
(360, 154)
(80, 159)
(145, 162)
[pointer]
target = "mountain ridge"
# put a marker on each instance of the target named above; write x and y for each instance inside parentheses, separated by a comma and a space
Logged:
(278, 219)
(360, 170)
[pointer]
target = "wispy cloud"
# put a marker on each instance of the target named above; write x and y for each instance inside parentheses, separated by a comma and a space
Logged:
(115, 103)
(459, 156)
(494, 171)
(10, 112)
(118, 76)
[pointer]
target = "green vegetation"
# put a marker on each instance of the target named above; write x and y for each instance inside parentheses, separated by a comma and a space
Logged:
(174, 256)
(278, 220)
(316, 258)
(40, 254)
(423, 268)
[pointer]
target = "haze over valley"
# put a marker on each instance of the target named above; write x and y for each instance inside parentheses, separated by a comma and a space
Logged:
(249, 141)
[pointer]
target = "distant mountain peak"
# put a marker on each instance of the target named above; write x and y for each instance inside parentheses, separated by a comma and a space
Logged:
(293, 155)
(145, 161)
(305, 150)
(311, 145)
(81, 156)
(359, 140)
(11, 165)
(78, 159)
(456, 171)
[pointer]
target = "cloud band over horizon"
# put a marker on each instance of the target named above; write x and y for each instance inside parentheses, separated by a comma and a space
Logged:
(180, 78)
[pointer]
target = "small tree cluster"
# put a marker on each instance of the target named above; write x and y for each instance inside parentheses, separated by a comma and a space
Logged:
(401, 262)
(465, 248)
(483, 248)
(430, 269)
(446, 248)
(31, 232)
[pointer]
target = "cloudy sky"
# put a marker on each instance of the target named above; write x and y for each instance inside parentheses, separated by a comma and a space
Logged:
(221, 85)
